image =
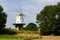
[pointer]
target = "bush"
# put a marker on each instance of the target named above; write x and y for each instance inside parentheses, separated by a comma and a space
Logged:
(7, 31)
(31, 27)
(43, 32)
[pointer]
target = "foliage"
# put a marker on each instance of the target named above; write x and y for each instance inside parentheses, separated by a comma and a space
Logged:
(57, 30)
(3, 18)
(31, 27)
(7, 32)
(49, 18)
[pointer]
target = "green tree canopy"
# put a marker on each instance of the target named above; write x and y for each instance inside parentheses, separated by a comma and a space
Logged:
(32, 27)
(49, 18)
(3, 18)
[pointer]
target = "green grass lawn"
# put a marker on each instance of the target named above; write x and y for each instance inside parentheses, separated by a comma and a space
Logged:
(10, 37)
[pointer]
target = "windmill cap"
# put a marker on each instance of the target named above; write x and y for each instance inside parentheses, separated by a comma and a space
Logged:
(20, 14)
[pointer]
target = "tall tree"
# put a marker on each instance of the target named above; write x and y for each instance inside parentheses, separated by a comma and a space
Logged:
(3, 18)
(49, 18)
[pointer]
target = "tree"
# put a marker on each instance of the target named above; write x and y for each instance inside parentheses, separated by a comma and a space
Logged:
(3, 18)
(49, 18)
(31, 27)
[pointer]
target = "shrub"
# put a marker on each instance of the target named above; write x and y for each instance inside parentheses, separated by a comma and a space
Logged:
(7, 31)
(31, 27)
(43, 32)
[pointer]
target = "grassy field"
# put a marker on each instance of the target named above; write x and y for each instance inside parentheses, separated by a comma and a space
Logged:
(10, 37)
(28, 35)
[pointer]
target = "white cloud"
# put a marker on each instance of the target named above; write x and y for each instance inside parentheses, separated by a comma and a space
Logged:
(46, 1)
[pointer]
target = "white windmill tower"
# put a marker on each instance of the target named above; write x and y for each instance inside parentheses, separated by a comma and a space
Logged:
(19, 20)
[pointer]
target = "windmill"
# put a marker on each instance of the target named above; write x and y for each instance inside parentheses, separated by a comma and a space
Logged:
(19, 23)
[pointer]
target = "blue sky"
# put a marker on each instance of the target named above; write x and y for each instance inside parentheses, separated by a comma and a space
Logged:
(30, 9)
